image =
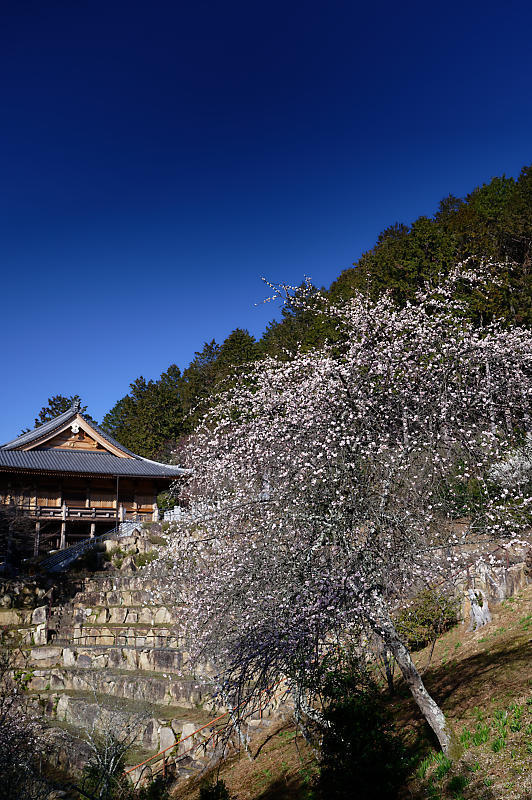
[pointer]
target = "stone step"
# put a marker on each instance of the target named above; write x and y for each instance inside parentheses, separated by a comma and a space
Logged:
(105, 582)
(149, 659)
(123, 636)
(124, 614)
(162, 689)
(116, 597)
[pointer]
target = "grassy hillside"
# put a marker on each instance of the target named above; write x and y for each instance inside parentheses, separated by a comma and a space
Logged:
(483, 680)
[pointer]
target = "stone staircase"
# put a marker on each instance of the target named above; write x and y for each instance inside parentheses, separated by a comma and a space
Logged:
(117, 653)
(109, 652)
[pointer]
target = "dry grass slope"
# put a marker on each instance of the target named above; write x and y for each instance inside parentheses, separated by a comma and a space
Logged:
(482, 679)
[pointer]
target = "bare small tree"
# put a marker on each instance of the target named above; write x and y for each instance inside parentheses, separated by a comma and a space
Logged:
(110, 737)
(17, 536)
(20, 767)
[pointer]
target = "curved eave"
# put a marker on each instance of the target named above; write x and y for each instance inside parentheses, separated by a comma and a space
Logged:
(159, 477)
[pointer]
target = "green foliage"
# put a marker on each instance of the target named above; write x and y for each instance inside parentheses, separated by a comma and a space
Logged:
(22, 678)
(114, 552)
(150, 416)
(165, 502)
(457, 783)
(516, 718)
(462, 495)
(443, 765)
(157, 789)
(493, 221)
(431, 613)
(154, 538)
(214, 790)
(157, 413)
(239, 349)
(88, 561)
(359, 745)
(103, 775)
(58, 405)
(298, 327)
(142, 559)
(480, 735)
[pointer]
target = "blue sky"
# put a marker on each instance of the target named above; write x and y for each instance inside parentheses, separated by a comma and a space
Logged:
(157, 158)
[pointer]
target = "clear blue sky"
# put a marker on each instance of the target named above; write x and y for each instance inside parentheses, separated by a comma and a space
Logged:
(158, 158)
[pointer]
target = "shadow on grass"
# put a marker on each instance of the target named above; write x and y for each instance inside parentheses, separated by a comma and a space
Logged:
(478, 676)
(293, 788)
(458, 685)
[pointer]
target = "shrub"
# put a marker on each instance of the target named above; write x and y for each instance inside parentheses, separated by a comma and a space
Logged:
(142, 559)
(359, 746)
(153, 538)
(214, 790)
(157, 789)
(89, 561)
(430, 614)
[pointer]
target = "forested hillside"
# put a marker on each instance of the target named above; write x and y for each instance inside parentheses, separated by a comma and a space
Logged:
(494, 221)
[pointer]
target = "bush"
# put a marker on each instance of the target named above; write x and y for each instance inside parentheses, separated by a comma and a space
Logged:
(157, 789)
(89, 561)
(430, 614)
(214, 790)
(142, 559)
(360, 749)
(153, 538)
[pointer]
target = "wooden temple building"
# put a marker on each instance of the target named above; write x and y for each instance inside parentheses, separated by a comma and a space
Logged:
(73, 480)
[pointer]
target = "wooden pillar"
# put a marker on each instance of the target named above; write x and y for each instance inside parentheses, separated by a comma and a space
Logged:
(88, 497)
(116, 502)
(37, 539)
(9, 544)
(62, 543)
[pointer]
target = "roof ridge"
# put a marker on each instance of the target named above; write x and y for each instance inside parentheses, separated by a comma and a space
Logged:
(37, 432)
(56, 422)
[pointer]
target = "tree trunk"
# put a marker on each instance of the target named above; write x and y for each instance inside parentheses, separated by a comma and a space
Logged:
(382, 624)
(388, 669)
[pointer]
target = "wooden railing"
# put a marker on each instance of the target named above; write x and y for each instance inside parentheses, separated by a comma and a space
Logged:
(70, 512)
(73, 512)
(82, 512)
(160, 762)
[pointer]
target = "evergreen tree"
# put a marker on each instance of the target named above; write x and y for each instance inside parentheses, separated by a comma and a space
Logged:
(298, 327)
(493, 221)
(238, 349)
(57, 405)
(150, 417)
(198, 383)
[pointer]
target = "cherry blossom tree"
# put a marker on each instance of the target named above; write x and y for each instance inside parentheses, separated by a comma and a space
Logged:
(329, 485)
